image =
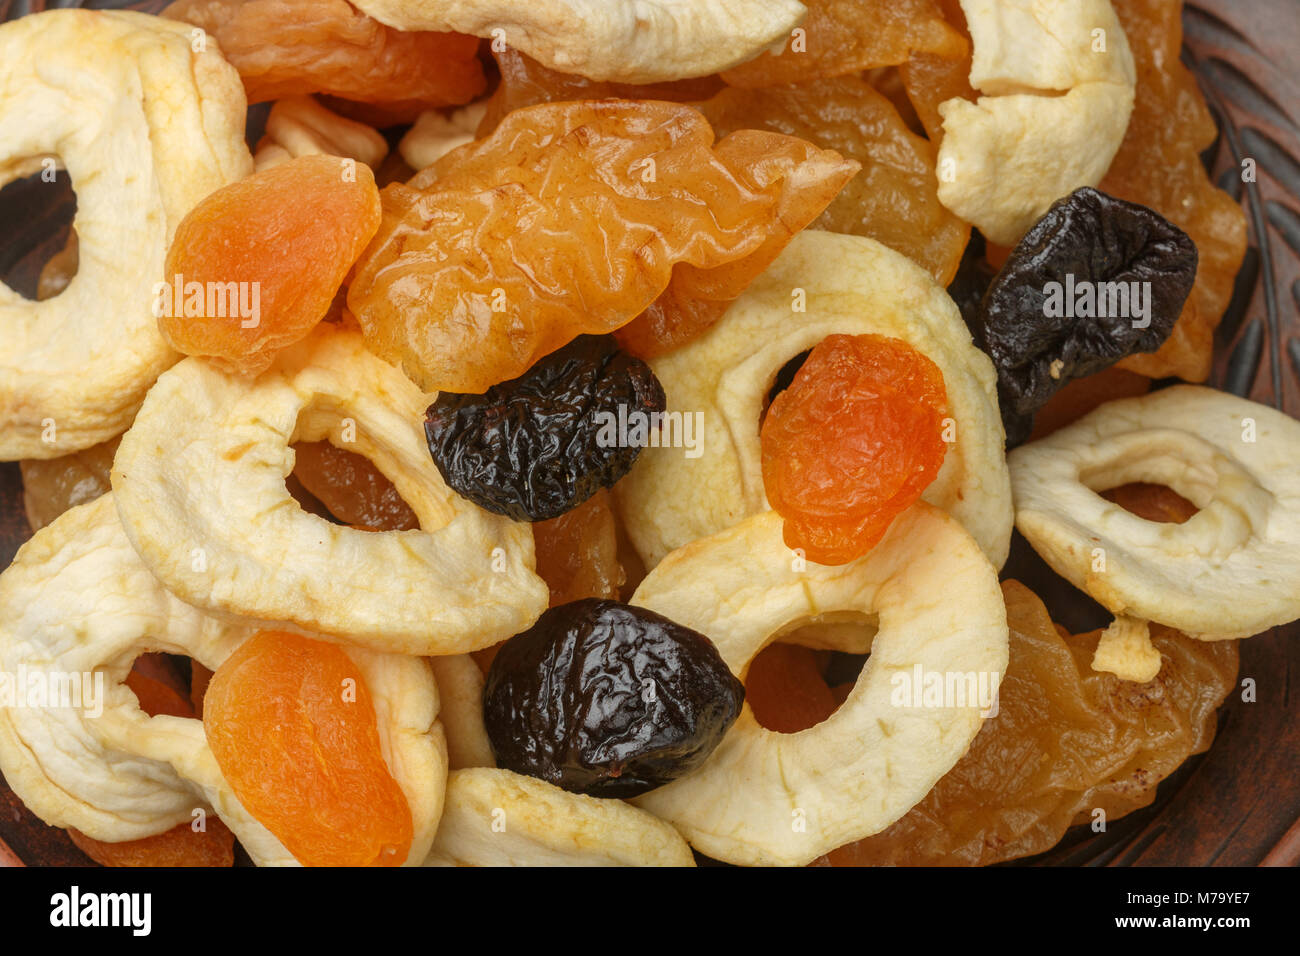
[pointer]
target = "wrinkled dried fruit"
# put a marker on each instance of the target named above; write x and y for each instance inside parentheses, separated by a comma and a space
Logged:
(1159, 165)
(254, 267)
(352, 488)
(931, 78)
(53, 485)
(785, 688)
(283, 48)
(525, 82)
(1096, 279)
(292, 725)
(608, 700)
(179, 846)
(577, 553)
(894, 198)
(847, 36)
(1066, 740)
(568, 219)
(539, 445)
(885, 404)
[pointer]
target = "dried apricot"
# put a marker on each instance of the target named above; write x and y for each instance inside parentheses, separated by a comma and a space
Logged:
(53, 485)
(255, 265)
(894, 198)
(292, 725)
(1159, 165)
(785, 688)
(525, 82)
(352, 488)
(1065, 741)
(568, 219)
(288, 47)
(885, 403)
(180, 846)
(577, 553)
(847, 36)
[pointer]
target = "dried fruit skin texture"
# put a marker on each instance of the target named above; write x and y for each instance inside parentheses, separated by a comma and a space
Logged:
(784, 686)
(568, 219)
(352, 488)
(538, 446)
(847, 36)
(287, 237)
(608, 699)
(1159, 165)
(288, 47)
(1066, 740)
(292, 726)
(893, 199)
(853, 442)
(931, 78)
(179, 846)
(577, 553)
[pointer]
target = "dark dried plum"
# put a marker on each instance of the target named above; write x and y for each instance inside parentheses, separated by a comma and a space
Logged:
(1095, 280)
(539, 445)
(608, 699)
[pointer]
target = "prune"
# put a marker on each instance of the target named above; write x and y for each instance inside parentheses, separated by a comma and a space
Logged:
(607, 699)
(539, 445)
(1095, 280)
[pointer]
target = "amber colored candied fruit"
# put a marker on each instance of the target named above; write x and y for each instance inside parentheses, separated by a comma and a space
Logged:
(525, 82)
(847, 36)
(292, 725)
(1152, 502)
(255, 266)
(289, 47)
(894, 199)
(852, 443)
(214, 845)
(350, 486)
(577, 553)
(53, 485)
(930, 78)
(1159, 165)
(1066, 741)
(786, 690)
(568, 219)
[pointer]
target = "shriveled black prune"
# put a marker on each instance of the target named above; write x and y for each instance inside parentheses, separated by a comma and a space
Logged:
(539, 445)
(608, 699)
(974, 275)
(1096, 279)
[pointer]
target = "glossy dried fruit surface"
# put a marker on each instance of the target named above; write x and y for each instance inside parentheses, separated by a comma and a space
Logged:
(568, 219)
(785, 688)
(292, 725)
(1096, 279)
(352, 488)
(852, 443)
(894, 198)
(847, 36)
(287, 47)
(539, 445)
(577, 553)
(259, 261)
(1159, 165)
(53, 485)
(1066, 740)
(525, 82)
(1152, 502)
(607, 699)
(179, 846)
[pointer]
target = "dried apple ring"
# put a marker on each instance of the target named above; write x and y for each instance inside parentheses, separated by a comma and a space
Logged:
(78, 601)
(822, 284)
(633, 41)
(499, 818)
(146, 127)
(199, 481)
(767, 798)
(301, 126)
(460, 690)
(1232, 569)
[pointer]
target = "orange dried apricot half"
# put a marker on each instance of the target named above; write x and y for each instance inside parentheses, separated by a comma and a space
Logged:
(255, 266)
(180, 846)
(852, 443)
(292, 725)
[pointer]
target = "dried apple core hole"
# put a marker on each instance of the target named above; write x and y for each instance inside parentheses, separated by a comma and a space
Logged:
(168, 684)
(38, 250)
(346, 488)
